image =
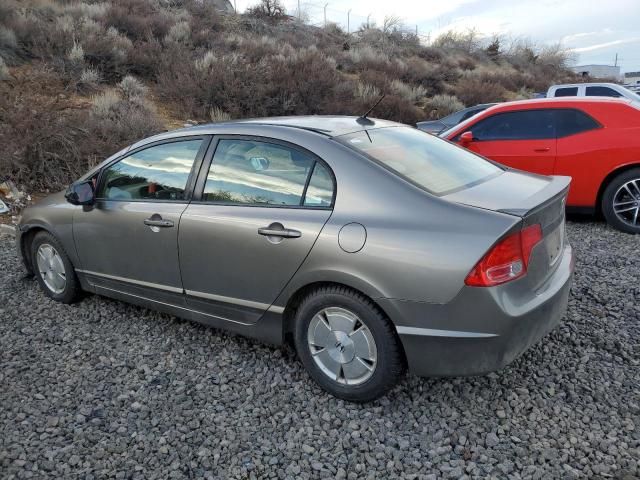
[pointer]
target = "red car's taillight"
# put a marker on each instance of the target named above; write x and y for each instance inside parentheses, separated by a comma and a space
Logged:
(507, 260)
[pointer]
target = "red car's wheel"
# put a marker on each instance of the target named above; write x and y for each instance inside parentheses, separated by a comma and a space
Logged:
(621, 201)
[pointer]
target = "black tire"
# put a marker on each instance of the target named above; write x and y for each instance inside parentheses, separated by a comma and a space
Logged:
(72, 290)
(608, 198)
(390, 364)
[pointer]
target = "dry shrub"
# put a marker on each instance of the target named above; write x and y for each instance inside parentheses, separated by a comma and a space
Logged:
(366, 93)
(138, 19)
(300, 84)
(413, 94)
(268, 9)
(89, 80)
(38, 157)
(37, 36)
(218, 115)
(75, 138)
(277, 85)
(147, 58)
(179, 32)
(472, 90)
(108, 51)
(8, 43)
(443, 105)
(121, 117)
(4, 70)
(132, 89)
(397, 108)
(431, 76)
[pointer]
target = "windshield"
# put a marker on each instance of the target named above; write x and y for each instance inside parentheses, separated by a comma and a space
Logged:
(431, 163)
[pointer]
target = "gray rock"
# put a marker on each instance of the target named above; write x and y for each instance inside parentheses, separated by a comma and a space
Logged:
(102, 389)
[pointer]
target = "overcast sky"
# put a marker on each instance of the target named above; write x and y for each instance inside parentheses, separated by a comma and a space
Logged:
(595, 29)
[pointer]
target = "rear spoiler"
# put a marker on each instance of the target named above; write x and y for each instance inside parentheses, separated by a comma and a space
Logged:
(557, 187)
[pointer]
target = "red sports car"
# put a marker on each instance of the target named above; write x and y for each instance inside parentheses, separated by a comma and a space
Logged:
(596, 141)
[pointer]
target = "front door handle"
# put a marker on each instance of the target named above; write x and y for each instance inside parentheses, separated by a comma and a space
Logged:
(541, 150)
(158, 222)
(270, 231)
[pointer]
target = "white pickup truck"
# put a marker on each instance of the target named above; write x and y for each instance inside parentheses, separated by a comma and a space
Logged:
(592, 90)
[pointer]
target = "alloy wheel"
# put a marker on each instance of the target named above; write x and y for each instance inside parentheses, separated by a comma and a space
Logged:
(51, 268)
(342, 346)
(626, 202)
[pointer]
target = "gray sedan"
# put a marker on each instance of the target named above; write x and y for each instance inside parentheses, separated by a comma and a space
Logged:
(369, 245)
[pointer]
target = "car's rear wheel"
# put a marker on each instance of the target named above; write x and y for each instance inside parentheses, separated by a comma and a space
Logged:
(621, 201)
(53, 269)
(347, 344)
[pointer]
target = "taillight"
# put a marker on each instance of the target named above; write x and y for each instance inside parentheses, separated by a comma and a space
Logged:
(507, 260)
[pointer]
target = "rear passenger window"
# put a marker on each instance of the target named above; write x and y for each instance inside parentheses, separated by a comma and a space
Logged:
(566, 92)
(570, 122)
(602, 92)
(320, 189)
(522, 125)
(248, 172)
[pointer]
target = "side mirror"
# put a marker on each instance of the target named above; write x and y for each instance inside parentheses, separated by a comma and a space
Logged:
(80, 193)
(466, 138)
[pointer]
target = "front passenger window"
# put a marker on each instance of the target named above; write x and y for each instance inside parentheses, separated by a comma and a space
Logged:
(519, 125)
(566, 92)
(155, 173)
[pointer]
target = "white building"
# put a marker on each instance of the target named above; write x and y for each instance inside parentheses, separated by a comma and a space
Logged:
(598, 71)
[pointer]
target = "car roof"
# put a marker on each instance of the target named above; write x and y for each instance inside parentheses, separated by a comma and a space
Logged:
(329, 125)
(556, 102)
(585, 84)
(482, 105)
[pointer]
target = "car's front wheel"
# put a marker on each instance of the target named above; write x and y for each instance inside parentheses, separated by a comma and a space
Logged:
(621, 201)
(347, 344)
(53, 269)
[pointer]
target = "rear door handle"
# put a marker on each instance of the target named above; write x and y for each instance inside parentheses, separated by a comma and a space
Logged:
(153, 222)
(284, 233)
(541, 149)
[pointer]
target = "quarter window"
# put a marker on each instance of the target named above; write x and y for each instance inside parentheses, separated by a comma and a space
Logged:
(522, 125)
(602, 92)
(160, 172)
(320, 189)
(570, 122)
(566, 92)
(249, 172)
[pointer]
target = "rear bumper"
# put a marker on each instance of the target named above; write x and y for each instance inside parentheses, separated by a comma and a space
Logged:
(482, 329)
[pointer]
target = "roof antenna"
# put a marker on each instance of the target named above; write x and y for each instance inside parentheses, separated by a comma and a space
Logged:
(363, 120)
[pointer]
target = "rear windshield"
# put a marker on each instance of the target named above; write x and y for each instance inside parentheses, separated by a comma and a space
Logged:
(427, 161)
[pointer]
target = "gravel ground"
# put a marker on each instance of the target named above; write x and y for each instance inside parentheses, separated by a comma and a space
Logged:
(101, 389)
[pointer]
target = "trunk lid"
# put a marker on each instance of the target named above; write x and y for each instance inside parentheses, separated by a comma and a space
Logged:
(535, 199)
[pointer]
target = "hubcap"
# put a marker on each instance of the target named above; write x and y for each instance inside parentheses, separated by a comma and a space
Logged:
(51, 268)
(342, 346)
(626, 203)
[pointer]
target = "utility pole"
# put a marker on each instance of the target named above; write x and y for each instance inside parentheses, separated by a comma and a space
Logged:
(299, 13)
(615, 64)
(325, 14)
(235, 7)
(348, 25)
(368, 24)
